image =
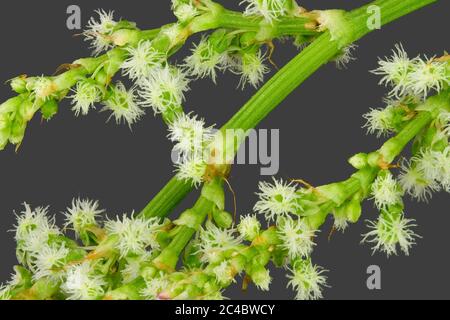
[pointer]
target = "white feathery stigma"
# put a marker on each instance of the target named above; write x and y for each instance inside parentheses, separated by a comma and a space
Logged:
(85, 95)
(390, 231)
(163, 89)
(82, 214)
(386, 191)
(269, 9)
(224, 273)
(154, 287)
(395, 71)
(214, 240)
(135, 235)
(141, 60)
(83, 284)
(184, 11)
(205, 60)
(252, 69)
(307, 280)
(97, 31)
(123, 106)
(428, 75)
(192, 170)
(190, 134)
(277, 199)
(249, 227)
(297, 238)
(380, 121)
(49, 261)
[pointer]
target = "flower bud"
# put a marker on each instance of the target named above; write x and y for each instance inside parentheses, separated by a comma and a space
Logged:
(17, 131)
(49, 109)
(19, 84)
(354, 209)
(249, 227)
(214, 192)
(223, 219)
(260, 277)
(358, 161)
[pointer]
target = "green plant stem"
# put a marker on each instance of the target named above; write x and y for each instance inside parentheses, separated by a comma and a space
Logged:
(389, 151)
(168, 258)
(287, 80)
(282, 27)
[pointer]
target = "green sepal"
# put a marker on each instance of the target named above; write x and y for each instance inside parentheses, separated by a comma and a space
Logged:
(358, 161)
(191, 256)
(223, 219)
(214, 192)
(49, 109)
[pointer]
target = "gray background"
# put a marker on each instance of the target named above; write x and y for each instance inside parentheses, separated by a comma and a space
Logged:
(320, 128)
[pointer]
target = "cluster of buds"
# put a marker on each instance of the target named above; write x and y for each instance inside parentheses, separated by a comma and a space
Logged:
(222, 51)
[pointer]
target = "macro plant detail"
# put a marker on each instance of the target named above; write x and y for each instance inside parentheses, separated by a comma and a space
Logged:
(138, 256)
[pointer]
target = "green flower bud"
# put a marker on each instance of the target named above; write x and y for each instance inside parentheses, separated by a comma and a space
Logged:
(222, 219)
(19, 84)
(17, 131)
(354, 210)
(49, 109)
(358, 161)
(260, 277)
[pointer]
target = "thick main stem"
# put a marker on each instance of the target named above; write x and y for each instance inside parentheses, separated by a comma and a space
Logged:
(285, 81)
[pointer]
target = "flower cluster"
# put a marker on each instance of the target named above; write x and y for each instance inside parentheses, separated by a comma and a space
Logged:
(427, 172)
(417, 76)
(192, 139)
(53, 264)
(134, 235)
(217, 53)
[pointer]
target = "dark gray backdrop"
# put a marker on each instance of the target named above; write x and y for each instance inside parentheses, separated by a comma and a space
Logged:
(320, 128)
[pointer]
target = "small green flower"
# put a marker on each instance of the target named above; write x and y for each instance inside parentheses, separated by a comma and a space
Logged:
(163, 89)
(386, 191)
(279, 199)
(141, 60)
(213, 241)
(83, 283)
(269, 9)
(123, 106)
(82, 216)
(249, 227)
(307, 280)
(296, 237)
(390, 231)
(86, 94)
(97, 31)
